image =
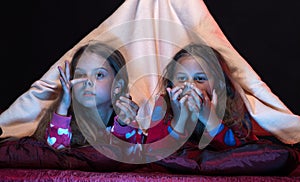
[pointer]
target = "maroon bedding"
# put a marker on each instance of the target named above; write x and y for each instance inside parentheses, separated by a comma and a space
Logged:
(258, 159)
(76, 175)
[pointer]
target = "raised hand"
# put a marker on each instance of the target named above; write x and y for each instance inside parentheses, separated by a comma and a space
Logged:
(128, 110)
(192, 104)
(180, 110)
(66, 84)
(203, 107)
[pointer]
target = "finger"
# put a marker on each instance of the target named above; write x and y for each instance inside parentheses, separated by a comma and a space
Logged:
(214, 98)
(67, 66)
(76, 81)
(182, 106)
(125, 99)
(64, 84)
(123, 107)
(62, 73)
(123, 120)
(175, 89)
(129, 102)
(182, 100)
(199, 92)
(175, 93)
(197, 98)
(126, 109)
(193, 108)
(206, 98)
(128, 96)
(192, 105)
(174, 101)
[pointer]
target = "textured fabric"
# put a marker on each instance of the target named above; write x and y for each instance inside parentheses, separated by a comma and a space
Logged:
(127, 133)
(74, 176)
(59, 132)
(149, 33)
(32, 154)
(255, 159)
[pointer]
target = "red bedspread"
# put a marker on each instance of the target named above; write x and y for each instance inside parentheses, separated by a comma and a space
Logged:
(32, 160)
(76, 175)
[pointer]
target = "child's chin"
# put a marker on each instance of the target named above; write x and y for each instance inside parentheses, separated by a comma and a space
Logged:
(89, 104)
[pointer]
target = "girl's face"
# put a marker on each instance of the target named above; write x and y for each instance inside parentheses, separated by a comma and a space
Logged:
(96, 91)
(189, 70)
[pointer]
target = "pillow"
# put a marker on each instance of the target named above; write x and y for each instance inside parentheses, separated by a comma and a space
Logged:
(260, 158)
(29, 153)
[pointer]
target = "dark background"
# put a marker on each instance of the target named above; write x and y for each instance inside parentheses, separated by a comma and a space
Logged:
(35, 34)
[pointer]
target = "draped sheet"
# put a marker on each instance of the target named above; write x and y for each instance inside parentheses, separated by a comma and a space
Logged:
(149, 33)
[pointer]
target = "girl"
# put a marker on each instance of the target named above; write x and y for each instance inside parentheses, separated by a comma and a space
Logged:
(202, 105)
(96, 71)
(198, 104)
(203, 126)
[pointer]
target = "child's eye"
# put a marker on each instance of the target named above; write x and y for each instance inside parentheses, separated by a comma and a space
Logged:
(181, 78)
(99, 75)
(200, 78)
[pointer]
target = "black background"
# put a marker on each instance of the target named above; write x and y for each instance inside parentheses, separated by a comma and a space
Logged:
(35, 34)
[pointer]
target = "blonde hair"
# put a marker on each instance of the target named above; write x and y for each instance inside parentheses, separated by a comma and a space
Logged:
(235, 115)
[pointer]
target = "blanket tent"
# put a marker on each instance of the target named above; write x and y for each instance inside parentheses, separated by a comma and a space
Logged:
(148, 33)
(141, 30)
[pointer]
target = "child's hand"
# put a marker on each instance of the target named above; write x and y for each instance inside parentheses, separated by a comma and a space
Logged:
(128, 110)
(180, 110)
(66, 84)
(203, 108)
(195, 102)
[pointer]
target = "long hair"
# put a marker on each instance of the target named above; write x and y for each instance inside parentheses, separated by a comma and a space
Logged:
(117, 63)
(234, 114)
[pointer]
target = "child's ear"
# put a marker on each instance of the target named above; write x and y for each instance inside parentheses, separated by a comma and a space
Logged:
(119, 87)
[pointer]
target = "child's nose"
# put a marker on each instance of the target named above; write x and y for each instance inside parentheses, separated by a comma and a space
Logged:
(89, 82)
(189, 82)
